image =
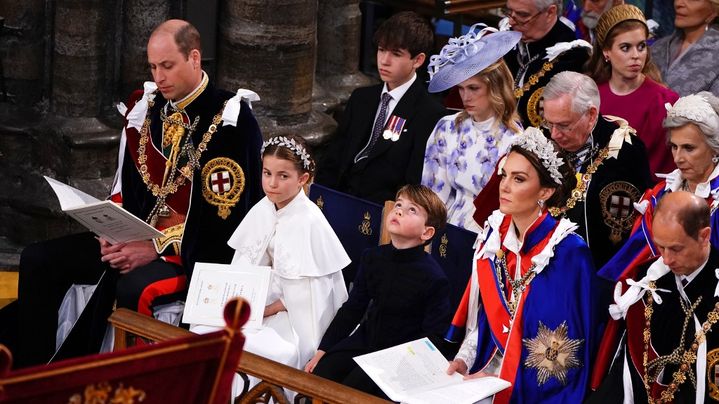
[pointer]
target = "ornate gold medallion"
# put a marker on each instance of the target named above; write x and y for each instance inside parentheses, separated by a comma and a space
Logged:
(443, 245)
(535, 107)
(365, 227)
(552, 353)
(222, 184)
(713, 373)
(617, 203)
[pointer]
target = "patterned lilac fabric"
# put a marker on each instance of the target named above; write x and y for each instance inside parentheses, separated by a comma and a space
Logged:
(460, 160)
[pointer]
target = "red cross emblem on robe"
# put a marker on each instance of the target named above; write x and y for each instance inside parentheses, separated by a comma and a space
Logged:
(620, 206)
(221, 182)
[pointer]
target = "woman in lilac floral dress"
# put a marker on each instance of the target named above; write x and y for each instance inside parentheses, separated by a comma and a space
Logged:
(464, 148)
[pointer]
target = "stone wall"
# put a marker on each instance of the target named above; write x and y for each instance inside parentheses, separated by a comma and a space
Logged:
(67, 63)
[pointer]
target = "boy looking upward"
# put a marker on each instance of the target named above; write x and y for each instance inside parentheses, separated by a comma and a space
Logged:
(408, 290)
(380, 141)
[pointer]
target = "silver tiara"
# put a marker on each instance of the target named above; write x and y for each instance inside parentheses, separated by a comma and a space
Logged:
(533, 140)
(291, 144)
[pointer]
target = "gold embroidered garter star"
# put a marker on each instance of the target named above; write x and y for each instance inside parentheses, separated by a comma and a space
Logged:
(552, 353)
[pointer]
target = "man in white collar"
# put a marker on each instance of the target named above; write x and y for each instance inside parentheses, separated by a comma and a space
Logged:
(189, 165)
(671, 314)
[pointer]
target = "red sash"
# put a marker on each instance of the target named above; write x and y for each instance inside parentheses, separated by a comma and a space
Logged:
(497, 312)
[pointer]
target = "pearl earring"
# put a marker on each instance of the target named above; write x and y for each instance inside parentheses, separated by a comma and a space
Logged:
(715, 159)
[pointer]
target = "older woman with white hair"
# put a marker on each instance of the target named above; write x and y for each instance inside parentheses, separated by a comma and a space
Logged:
(693, 137)
(688, 58)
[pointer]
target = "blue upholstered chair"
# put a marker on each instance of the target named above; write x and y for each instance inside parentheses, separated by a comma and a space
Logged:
(453, 248)
(356, 222)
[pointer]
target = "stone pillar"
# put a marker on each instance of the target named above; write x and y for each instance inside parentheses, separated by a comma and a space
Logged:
(338, 50)
(140, 18)
(22, 47)
(23, 40)
(269, 46)
(84, 45)
(65, 136)
(79, 57)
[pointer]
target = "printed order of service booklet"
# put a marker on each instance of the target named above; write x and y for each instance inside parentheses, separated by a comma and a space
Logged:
(416, 373)
(104, 218)
(212, 285)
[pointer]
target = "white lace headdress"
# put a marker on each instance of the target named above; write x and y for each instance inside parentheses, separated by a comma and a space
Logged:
(290, 144)
(696, 108)
(534, 141)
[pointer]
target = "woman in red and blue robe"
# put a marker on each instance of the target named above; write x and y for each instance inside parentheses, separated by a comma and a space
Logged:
(529, 313)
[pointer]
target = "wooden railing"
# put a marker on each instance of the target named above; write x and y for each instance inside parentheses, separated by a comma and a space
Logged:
(274, 376)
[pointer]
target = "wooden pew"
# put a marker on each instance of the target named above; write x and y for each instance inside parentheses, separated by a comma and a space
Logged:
(274, 375)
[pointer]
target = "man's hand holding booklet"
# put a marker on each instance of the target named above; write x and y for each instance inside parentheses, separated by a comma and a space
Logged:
(104, 218)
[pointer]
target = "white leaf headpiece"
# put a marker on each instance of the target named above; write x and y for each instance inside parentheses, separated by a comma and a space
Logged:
(290, 144)
(534, 141)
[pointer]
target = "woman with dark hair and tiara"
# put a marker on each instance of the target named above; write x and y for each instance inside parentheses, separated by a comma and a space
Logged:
(530, 309)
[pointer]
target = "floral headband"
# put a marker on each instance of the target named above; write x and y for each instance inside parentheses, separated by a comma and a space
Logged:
(534, 141)
(290, 144)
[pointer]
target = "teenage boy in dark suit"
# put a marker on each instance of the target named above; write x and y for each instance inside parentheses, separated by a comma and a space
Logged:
(380, 142)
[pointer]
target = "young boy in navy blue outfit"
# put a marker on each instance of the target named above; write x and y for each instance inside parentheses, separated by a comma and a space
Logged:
(380, 142)
(401, 289)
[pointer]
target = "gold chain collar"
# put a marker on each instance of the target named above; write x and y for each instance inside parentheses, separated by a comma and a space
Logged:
(687, 358)
(582, 184)
(533, 79)
(169, 187)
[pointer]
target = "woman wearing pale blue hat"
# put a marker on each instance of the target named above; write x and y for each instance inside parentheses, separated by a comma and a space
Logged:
(464, 148)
